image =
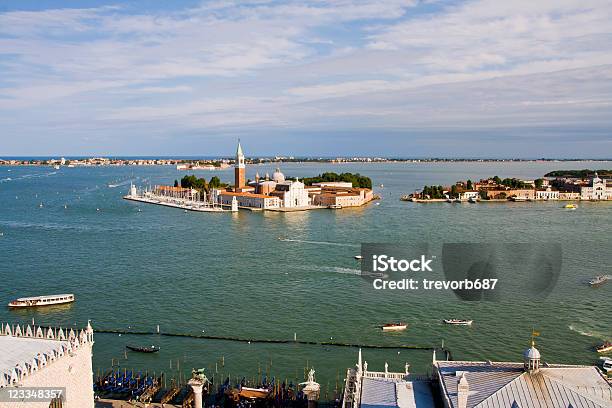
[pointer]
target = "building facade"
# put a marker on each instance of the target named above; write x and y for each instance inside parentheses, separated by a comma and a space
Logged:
(547, 194)
(597, 190)
(249, 200)
(292, 194)
(33, 356)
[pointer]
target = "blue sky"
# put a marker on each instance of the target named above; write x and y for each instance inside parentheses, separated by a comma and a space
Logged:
(338, 77)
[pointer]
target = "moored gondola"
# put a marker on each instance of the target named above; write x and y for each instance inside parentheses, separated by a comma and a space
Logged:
(152, 349)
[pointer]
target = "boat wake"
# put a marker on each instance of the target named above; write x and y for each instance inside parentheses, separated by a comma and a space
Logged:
(578, 330)
(123, 183)
(319, 242)
(28, 176)
(344, 271)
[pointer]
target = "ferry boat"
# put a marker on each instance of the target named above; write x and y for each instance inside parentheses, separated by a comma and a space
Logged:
(598, 280)
(36, 301)
(604, 347)
(394, 327)
(458, 322)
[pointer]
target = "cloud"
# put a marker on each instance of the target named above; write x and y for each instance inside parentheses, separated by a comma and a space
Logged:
(345, 64)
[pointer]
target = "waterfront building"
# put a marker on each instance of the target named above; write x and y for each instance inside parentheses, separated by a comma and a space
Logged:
(547, 194)
(569, 195)
(343, 197)
(249, 200)
(523, 193)
(33, 356)
(597, 190)
(376, 389)
(239, 170)
(469, 194)
(531, 383)
(291, 193)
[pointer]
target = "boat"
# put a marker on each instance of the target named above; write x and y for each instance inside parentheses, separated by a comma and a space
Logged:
(359, 257)
(519, 199)
(472, 200)
(570, 206)
(598, 280)
(458, 322)
(247, 392)
(606, 364)
(604, 347)
(36, 301)
(56, 167)
(152, 349)
(394, 326)
(335, 206)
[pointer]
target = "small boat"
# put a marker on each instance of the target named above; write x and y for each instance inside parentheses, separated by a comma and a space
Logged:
(604, 347)
(152, 349)
(606, 364)
(394, 326)
(458, 322)
(335, 206)
(358, 257)
(40, 205)
(599, 280)
(36, 301)
(472, 200)
(570, 206)
(519, 199)
(56, 167)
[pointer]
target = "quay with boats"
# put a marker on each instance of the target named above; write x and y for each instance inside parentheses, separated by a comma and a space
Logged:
(176, 197)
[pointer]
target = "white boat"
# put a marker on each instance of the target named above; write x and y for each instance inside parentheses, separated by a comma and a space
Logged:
(458, 322)
(394, 327)
(606, 364)
(56, 167)
(519, 199)
(36, 301)
(358, 257)
(598, 280)
(335, 206)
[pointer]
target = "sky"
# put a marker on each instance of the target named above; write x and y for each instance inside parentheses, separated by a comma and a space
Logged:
(401, 78)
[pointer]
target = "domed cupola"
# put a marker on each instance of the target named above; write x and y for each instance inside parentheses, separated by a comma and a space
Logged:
(531, 358)
(278, 176)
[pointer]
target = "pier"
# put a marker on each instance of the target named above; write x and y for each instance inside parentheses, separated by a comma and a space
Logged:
(175, 197)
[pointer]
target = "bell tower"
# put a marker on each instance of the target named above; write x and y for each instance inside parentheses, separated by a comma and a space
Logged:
(239, 169)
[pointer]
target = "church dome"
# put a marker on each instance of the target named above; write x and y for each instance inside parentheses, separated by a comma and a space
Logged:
(278, 176)
(532, 353)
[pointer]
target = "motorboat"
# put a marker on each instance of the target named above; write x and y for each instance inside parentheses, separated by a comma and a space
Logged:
(358, 257)
(335, 206)
(36, 301)
(458, 322)
(570, 206)
(604, 347)
(606, 364)
(394, 327)
(599, 280)
(472, 200)
(152, 349)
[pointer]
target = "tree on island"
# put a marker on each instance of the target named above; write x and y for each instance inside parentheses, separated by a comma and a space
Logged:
(469, 185)
(357, 180)
(200, 184)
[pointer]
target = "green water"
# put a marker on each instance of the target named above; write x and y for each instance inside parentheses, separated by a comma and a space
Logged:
(230, 275)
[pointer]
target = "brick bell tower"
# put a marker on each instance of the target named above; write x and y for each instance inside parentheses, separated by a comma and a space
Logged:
(239, 169)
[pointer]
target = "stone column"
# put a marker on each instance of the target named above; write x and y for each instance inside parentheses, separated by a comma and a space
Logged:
(196, 385)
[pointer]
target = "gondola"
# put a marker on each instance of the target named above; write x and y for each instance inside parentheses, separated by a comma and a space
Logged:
(151, 349)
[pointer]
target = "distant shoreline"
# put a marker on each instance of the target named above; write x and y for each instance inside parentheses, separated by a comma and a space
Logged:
(221, 163)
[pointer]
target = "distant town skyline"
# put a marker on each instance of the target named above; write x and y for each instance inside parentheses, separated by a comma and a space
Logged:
(398, 78)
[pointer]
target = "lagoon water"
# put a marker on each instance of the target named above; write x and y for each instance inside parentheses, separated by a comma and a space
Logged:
(229, 274)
